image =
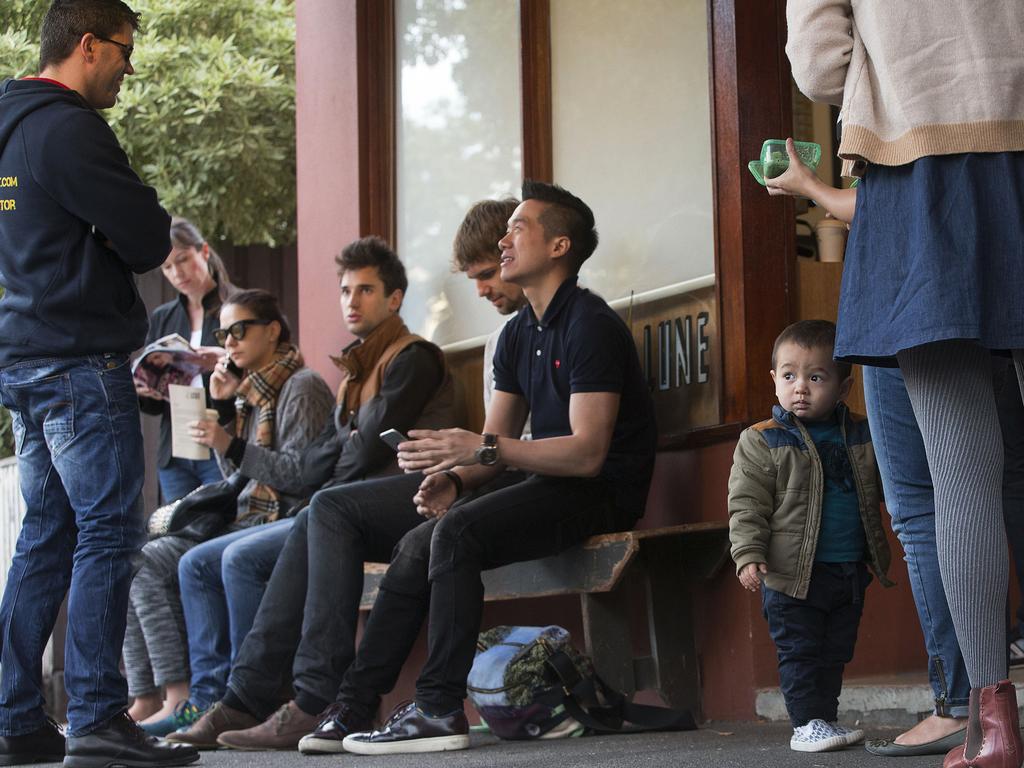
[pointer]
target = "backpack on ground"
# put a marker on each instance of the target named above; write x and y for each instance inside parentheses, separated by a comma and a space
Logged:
(531, 683)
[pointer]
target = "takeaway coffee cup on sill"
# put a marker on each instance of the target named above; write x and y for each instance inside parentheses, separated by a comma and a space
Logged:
(188, 404)
(831, 235)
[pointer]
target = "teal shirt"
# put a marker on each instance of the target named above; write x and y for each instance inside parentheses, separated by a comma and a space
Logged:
(841, 535)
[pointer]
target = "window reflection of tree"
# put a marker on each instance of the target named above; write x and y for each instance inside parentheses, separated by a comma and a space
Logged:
(459, 141)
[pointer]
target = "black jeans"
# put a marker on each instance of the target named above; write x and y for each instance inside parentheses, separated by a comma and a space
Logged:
(538, 517)
(814, 638)
(310, 610)
(399, 611)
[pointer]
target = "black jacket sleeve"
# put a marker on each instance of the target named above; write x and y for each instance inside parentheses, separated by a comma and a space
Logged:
(322, 454)
(409, 383)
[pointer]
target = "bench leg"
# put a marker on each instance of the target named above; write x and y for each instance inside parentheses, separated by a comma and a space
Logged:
(607, 637)
(670, 623)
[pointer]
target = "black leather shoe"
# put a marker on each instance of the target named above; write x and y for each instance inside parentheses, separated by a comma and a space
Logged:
(43, 745)
(409, 729)
(123, 743)
(337, 722)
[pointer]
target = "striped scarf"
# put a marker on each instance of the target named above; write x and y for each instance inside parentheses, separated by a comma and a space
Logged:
(260, 389)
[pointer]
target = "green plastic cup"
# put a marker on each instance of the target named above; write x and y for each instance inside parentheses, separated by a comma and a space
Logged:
(775, 160)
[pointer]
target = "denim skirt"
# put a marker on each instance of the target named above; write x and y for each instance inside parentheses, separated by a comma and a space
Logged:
(936, 252)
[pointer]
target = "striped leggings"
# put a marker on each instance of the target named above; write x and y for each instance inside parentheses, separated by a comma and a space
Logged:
(155, 642)
(951, 390)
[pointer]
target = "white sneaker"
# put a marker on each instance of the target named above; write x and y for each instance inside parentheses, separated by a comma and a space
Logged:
(410, 730)
(816, 736)
(852, 735)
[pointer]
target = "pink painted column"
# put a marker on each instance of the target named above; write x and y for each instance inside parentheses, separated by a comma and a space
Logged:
(327, 172)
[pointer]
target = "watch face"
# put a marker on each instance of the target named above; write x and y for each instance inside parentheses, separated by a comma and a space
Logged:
(488, 455)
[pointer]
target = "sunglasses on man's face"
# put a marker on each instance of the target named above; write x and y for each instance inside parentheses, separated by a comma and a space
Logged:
(126, 50)
(236, 330)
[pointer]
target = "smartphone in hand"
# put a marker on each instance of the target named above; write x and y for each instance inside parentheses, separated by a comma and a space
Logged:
(392, 438)
(234, 370)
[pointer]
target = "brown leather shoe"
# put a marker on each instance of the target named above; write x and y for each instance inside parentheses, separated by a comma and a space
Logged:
(993, 732)
(282, 730)
(203, 733)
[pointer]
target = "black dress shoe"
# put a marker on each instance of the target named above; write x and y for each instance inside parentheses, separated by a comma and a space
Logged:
(123, 743)
(410, 729)
(43, 745)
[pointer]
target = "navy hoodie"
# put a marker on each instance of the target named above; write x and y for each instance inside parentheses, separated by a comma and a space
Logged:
(75, 224)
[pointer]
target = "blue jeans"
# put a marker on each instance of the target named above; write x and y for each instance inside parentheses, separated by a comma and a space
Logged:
(222, 583)
(814, 638)
(182, 476)
(80, 462)
(909, 498)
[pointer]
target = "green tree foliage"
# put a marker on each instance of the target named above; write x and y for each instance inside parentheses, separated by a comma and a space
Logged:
(209, 118)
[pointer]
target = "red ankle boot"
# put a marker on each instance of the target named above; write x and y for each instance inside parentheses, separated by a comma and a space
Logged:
(993, 733)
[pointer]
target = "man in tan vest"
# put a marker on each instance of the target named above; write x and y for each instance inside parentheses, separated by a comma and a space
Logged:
(392, 379)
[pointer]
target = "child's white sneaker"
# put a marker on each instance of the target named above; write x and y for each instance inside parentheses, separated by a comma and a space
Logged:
(852, 735)
(816, 736)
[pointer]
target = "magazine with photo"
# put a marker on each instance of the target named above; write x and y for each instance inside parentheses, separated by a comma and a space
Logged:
(168, 360)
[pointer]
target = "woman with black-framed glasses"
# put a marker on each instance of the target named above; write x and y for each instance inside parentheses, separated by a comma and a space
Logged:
(270, 407)
(236, 330)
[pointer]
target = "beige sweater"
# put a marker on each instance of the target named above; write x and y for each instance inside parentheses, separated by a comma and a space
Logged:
(917, 78)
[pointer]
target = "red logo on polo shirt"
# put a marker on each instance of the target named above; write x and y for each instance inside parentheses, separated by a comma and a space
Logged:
(558, 363)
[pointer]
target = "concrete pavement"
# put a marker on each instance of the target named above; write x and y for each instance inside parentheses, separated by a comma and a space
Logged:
(716, 745)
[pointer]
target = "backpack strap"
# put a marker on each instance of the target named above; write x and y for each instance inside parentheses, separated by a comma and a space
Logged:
(604, 710)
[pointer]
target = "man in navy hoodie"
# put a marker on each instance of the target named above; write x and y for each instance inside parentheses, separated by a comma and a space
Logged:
(75, 224)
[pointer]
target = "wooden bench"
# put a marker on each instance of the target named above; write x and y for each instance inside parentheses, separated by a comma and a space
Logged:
(608, 572)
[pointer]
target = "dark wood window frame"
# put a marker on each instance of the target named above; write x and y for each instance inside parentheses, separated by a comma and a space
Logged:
(375, 20)
(753, 236)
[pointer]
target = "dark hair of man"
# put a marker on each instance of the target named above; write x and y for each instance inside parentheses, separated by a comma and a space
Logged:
(565, 216)
(374, 252)
(477, 237)
(263, 306)
(67, 20)
(185, 234)
(812, 334)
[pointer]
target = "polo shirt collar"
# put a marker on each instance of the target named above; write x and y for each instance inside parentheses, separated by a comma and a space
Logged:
(558, 301)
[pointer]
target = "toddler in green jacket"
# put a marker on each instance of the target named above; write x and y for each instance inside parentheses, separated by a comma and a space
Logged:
(805, 524)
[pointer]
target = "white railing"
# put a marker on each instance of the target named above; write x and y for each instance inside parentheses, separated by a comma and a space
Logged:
(12, 509)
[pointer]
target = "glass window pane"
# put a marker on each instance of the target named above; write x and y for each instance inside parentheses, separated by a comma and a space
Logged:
(632, 136)
(458, 141)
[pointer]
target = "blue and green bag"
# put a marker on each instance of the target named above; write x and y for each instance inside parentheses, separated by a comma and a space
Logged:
(531, 683)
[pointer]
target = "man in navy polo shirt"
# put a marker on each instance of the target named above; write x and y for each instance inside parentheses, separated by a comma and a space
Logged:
(569, 361)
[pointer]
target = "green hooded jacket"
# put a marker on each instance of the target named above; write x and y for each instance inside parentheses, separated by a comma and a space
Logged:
(776, 489)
